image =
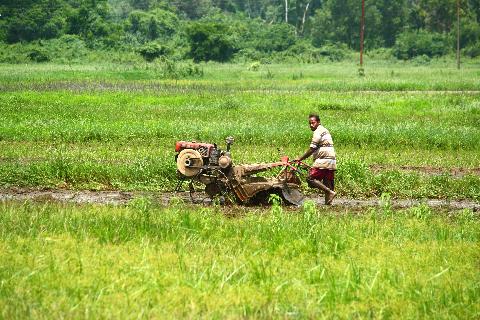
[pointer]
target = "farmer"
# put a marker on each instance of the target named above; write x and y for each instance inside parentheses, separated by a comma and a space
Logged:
(322, 173)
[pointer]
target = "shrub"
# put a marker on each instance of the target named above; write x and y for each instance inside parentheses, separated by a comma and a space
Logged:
(421, 60)
(277, 37)
(13, 53)
(171, 69)
(67, 47)
(410, 44)
(153, 50)
(191, 69)
(380, 53)
(248, 54)
(254, 66)
(38, 55)
(305, 52)
(334, 52)
(472, 51)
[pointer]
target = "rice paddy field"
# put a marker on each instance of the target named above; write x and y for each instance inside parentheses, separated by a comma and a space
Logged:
(401, 132)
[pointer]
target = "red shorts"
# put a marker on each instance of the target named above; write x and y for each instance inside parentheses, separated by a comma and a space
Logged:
(320, 174)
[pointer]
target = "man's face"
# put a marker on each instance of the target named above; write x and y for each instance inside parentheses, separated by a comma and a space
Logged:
(313, 123)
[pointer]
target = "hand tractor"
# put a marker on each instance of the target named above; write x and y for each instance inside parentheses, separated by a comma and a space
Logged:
(212, 170)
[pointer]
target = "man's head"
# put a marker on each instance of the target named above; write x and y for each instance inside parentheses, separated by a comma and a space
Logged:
(313, 121)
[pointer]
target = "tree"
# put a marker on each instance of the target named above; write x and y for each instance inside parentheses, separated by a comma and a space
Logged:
(193, 9)
(338, 21)
(433, 15)
(89, 20)
(393, 18)
(152, 25)
(209, 41)
(31, 20)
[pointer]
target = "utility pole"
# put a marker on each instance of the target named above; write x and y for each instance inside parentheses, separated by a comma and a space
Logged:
(362, 29)
(458, 34)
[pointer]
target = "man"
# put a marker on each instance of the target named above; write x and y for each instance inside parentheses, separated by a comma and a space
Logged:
(322, 173)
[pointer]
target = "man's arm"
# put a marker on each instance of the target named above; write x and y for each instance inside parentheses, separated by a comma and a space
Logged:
(307, 154)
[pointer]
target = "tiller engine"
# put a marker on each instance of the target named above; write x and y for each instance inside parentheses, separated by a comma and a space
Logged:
(206, 165)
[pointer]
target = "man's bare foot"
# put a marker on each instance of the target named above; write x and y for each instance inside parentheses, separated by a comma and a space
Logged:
(329, 197)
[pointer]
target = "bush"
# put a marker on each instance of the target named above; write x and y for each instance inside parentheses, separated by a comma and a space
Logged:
(334, 52)
(255, 66)
(153, 50)
(421, 60)
(66, 49)
(277, 37)
(38, 55)
(306, 52)
(380, 54)
(411, 44)
(170, 69)
(13, 53)
(248, 54)
(472, 51)
(302, 51)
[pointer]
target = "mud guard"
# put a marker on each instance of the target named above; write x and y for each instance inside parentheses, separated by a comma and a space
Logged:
(293, 195)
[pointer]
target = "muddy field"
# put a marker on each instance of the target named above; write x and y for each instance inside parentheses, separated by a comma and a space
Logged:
(122, 198)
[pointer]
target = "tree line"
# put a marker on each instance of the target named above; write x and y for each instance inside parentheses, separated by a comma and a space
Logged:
(254, 29)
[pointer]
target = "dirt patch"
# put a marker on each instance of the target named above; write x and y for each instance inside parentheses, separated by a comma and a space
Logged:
(101, 197)
(122, 198)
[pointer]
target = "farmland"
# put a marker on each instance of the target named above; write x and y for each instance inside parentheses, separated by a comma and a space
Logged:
(63, 127)
(401, 132)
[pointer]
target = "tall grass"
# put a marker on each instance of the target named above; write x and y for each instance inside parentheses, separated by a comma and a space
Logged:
(148, 261)
(341, 76)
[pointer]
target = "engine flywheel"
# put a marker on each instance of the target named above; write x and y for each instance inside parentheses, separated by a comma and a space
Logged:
(189, 162)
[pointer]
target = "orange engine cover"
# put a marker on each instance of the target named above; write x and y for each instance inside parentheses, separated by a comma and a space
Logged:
(205, 149)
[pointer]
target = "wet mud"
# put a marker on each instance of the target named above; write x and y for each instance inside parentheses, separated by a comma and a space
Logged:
(123, 198)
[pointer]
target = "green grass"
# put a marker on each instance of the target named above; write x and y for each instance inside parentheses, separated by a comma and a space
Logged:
(122, 140)
(340, 76)
(149, 261)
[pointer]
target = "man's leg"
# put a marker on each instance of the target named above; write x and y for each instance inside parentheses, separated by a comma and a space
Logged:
(329, 183)
(314, 181)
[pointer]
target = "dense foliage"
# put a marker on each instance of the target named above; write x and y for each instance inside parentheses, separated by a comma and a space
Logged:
(209, 41)
(222, 30)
